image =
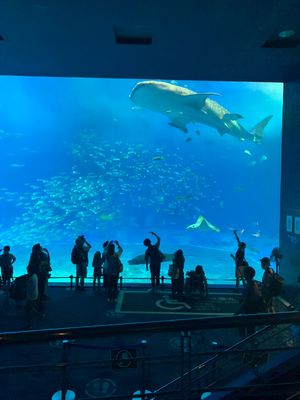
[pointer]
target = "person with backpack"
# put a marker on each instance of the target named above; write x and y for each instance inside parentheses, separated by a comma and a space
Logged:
(113, 267)
(79, 257)
(6, 263)
(154, 257)
(267, 284)
(252, 302)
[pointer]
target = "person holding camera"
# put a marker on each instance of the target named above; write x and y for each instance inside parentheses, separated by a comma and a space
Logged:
(240, 262)
(153, 256)
(79, 257)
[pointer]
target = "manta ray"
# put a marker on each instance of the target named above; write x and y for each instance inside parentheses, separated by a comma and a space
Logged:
(183, 106)
(203, 225)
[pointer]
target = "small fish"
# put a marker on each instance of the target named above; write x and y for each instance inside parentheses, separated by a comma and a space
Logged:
(257, 234)
(157, 158)
(198, 132)
(188, 139)
(263, 158)
(15, 165)
(248, 152)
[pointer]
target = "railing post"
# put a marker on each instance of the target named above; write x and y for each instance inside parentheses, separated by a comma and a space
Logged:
(143, 383)
(71, 281)
(182, 362)
(189, 338)
(121, 282)
(162, 281)
(64, 369)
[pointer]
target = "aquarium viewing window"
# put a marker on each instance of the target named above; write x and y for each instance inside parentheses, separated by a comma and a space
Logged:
(116, 158)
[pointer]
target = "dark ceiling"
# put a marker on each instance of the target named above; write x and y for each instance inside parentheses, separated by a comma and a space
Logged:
(190, 39)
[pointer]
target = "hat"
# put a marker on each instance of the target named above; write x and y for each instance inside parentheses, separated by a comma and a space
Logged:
(265, 260)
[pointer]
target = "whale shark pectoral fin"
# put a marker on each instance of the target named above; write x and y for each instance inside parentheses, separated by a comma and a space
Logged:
(179, 125)
(197, 100)
(231, 117)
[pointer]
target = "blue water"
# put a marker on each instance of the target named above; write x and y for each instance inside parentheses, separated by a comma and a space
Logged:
(77, 157)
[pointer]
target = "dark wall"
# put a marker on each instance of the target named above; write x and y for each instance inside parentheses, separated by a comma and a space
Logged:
(290, 182)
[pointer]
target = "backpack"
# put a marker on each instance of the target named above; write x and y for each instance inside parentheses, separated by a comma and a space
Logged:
(276, 284)
(173, 271)
(17, 290)
(75, 259)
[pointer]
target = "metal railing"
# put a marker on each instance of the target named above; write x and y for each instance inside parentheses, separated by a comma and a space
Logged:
(186, 326)
(123, 279)
(236, 321)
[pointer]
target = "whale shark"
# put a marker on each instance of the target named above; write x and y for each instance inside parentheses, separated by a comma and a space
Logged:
(183, 106)
(203, 225)
(140, 259)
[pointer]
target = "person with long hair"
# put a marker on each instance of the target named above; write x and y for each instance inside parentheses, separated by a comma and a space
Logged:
(113, 267)
(178, 278)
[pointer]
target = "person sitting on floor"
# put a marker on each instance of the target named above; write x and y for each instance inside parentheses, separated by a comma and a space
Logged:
(196, 280)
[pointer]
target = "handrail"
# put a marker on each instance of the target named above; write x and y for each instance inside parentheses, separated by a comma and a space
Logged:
(236, 321)
(137, 278)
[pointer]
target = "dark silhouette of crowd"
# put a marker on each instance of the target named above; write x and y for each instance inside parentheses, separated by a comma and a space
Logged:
(32, 287)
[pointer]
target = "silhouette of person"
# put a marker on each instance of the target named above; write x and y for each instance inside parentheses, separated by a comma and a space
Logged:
(197, 280)
(178, 279)
(81, 249)
(104, 252)
(97, 265)
(266, 284)
(112, 268)
(6, 263)
(252, 300)
(240, 262)
(36, 265)
(276, 256)
(153, 257)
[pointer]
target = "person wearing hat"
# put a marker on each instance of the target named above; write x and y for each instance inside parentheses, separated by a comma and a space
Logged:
(266, 283)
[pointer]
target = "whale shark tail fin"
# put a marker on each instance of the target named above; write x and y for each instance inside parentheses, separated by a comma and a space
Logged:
(258, 130)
